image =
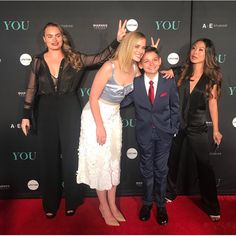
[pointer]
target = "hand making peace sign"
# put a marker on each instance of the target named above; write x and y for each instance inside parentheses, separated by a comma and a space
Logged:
(121, 30)
(153, 44)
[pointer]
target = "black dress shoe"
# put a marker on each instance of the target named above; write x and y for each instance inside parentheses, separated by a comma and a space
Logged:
(144, 213)
(50, 215)
(70, 212)
(168, 200)
(170, 197)
(162, 217)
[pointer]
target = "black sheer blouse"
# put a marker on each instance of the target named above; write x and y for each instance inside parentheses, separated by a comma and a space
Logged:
(68, 80)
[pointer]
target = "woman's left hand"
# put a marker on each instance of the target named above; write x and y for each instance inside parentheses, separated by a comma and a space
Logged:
(121, 30)
(217, 136)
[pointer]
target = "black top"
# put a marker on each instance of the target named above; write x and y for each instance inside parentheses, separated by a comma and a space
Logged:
(41, 82)
(193, 107)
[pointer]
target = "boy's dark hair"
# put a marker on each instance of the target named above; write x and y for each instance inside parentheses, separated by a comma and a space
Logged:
(152, 49)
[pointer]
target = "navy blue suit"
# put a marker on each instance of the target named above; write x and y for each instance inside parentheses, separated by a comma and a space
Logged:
(155, 126)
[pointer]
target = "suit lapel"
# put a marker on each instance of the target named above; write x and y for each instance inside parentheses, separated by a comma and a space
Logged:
(142, 91)
(160, 86)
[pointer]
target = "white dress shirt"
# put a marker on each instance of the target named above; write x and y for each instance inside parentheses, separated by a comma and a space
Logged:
(155, 82)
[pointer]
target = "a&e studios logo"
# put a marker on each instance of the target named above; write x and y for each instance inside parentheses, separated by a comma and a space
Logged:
(213, 25)
(15, 125)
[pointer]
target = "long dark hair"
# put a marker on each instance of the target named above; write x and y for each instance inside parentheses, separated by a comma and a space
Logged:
(211, 68)
(71, 56)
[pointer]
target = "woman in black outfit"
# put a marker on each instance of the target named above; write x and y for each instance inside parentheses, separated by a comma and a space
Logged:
(199, 83)
(54, 82)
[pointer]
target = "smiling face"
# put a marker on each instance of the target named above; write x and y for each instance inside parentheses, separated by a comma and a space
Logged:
(150, 63)
(139, 49)
(53, 38)
(198, 53)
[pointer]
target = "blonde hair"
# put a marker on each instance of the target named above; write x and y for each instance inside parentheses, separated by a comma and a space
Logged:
(71, 56)
(124, 51)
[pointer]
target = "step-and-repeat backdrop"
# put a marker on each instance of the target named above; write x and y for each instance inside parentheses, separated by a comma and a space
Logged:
(92, 26)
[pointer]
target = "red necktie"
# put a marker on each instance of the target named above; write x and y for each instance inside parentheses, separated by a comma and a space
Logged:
(151, 92)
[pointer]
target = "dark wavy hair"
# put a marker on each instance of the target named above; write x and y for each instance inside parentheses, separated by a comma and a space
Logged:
(71, 56)
(211, 68)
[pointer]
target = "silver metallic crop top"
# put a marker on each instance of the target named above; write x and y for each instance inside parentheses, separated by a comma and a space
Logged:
(113, 92)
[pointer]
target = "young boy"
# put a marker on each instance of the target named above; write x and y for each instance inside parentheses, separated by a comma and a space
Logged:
(156, 105)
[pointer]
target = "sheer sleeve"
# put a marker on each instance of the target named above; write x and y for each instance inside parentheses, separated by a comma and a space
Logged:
(31, 88)
(101, 57)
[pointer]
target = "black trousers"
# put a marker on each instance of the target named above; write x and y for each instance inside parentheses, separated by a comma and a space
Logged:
(58, 136)
(198, 146)
(154, 169)
(174, 165)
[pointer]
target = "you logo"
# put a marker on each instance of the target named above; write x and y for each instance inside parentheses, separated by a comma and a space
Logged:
(16, 25)
(221, 58)
(128, 123)
(167, 25)
(24, 156)
(85, 92)
(232, 91)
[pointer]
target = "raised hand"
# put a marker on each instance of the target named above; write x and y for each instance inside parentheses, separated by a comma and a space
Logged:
(153, 44)
(121, 30)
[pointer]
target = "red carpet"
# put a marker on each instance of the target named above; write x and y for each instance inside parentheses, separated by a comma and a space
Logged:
(25, 216)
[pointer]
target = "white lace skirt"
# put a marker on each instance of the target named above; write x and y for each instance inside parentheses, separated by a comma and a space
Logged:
(99, 166)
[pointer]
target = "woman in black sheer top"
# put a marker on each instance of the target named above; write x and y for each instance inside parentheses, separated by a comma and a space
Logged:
(52, 92)
(199, 82)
